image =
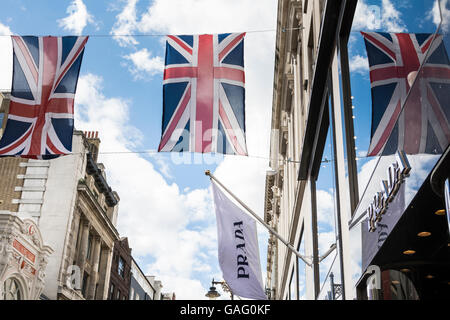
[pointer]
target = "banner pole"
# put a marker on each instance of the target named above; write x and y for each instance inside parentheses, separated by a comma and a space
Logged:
(271, 230)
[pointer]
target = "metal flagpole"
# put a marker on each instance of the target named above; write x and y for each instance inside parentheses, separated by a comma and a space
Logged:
(290, 247)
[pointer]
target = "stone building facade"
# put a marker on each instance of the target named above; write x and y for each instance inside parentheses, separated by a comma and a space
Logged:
(23, 259)
(83, 269)
(71, 203)
(23, 252)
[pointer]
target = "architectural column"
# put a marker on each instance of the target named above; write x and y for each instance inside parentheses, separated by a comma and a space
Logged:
(82, 252)
(95, 268)
(68, 274)
(103, 273)
(298, 112)
(75, 228)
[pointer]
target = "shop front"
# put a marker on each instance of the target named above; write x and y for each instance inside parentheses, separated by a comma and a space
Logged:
(406, 249)
(400, 227)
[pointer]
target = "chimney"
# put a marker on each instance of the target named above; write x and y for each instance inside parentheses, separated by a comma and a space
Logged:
(158, 288)
(94, 143)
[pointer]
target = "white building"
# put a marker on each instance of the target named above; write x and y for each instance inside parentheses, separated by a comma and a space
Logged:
(75, 210)
(23, 252)
(142, 287)
(146, 287)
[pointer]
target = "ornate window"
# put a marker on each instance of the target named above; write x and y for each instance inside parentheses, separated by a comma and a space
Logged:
(121, 267)
(12, 290)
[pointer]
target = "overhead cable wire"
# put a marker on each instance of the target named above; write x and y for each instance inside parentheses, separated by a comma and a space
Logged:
(110, 35)
(154, 152)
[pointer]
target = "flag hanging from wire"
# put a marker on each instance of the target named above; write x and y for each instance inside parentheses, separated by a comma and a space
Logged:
(45, 76)
(204, 94)
(238, 248)
(410, 108)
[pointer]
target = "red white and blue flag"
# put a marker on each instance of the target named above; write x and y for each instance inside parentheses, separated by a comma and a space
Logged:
(45, 76)
(424, 124)
(204, 94)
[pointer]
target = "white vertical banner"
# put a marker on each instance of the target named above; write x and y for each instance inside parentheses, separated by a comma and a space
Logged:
(238, 248)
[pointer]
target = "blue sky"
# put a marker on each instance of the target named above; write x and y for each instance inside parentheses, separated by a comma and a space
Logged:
(166, 209)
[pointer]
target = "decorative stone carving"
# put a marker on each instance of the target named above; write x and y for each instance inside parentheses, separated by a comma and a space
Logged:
(23, 257)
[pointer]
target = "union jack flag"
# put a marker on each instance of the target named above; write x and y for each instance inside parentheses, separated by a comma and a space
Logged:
(204, 94)
(423, 125)
(45, 76)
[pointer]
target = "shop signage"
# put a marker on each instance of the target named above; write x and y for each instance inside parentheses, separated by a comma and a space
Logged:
(24, 251)
(24, 258)
(396, 173)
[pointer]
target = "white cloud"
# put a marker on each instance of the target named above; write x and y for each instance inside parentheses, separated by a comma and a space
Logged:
(359, 64)
(163, 165)
(366, 17)
(186, 288)
(326, 239)
(180, 238)
(435, 14)
(5, 30)
(371, 17)
(77, 19)
(356, 253)
(126, 24)
(391, 18)
(243, 176)
(361, 154)
(365, 173)
(5, 58)
(325, 208)
(144, 65)
(207, 16)
(202, 16)
(153, 214)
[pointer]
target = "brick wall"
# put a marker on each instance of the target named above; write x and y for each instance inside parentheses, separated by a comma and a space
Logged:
(9, 169)
(121, 250)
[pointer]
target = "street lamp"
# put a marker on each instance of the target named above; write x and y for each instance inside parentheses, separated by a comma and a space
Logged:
(213, 294)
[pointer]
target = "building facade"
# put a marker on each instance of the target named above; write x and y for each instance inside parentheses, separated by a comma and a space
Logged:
(75, 210)
(120, 280)
(68, 204)
(146, 287)
(391, 241)
(23, 252)
(307, 151)
(23, 259)
(169, 296)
